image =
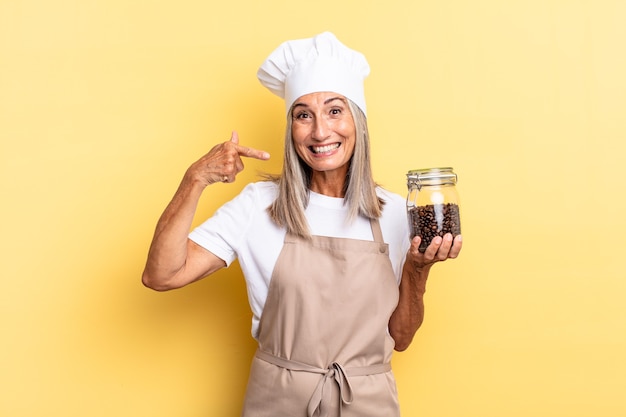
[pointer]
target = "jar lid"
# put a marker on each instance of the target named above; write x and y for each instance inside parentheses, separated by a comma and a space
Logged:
(444, 174)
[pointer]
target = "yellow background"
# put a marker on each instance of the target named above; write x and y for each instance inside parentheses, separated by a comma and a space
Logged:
(104, 104)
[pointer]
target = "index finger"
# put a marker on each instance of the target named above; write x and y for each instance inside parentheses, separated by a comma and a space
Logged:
(252, 153)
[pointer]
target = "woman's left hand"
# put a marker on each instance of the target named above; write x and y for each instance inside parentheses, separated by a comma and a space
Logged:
(440, 249)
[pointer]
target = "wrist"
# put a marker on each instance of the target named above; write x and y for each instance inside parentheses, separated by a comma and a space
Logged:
(417, 279)
(422, 269)
(192, 184)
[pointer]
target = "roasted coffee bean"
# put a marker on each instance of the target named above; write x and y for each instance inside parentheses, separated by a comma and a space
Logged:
(434, 220)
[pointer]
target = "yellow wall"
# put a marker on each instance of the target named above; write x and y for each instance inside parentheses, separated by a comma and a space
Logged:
(104, 103)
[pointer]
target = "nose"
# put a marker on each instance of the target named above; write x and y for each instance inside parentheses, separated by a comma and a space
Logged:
(321, 129)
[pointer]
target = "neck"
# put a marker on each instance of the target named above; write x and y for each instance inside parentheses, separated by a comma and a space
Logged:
(329, 183)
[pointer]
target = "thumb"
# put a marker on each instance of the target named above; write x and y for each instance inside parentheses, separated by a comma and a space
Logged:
(416, 241)
(234, 137)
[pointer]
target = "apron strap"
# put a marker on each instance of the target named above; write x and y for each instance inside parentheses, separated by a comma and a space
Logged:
(376, 231)
(335, 371)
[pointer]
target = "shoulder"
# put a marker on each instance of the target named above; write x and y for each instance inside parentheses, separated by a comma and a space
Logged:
(394, 220)
(393, 201)
(261, 194)
(395, 226)
(244, 208)
(264, 189)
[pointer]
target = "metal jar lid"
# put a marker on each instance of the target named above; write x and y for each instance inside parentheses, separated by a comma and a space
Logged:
(442, 175)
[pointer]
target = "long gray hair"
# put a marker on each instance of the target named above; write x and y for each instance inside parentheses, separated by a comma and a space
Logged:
(294, 182)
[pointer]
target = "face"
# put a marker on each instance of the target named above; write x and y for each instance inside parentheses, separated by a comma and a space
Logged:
(323, 131)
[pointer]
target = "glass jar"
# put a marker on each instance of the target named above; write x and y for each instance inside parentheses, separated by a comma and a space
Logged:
(432, 204)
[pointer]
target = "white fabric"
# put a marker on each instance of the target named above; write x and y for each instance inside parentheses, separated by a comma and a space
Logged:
(241, 229)
(317, 64)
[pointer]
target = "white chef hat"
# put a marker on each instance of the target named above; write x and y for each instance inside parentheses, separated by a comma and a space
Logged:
(311, 65)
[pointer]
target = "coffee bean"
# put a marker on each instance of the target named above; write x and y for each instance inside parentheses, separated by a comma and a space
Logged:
(434, 220)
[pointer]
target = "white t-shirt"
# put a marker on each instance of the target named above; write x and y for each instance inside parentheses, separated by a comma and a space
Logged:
(242, 229)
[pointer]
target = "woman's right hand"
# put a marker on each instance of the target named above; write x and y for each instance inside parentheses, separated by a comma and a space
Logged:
(223, 162)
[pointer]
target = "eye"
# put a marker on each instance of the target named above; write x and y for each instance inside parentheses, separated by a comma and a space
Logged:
(302, 115)
(335, 112)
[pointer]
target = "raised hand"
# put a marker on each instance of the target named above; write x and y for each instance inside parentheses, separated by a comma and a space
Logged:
(223, 162)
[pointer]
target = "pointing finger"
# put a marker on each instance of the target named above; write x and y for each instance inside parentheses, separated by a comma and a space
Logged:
(253, 153)
(246, 151)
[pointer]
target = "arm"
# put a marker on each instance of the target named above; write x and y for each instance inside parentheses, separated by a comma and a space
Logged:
(173, 260)
(409, 313)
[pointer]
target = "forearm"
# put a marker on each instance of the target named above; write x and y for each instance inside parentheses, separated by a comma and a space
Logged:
(168, 250)
(409, 314)
(173, 260)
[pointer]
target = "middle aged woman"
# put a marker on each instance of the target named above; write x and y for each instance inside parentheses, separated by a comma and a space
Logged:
(333, 281)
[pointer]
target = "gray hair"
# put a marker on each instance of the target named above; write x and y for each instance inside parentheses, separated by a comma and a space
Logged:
(294, 182)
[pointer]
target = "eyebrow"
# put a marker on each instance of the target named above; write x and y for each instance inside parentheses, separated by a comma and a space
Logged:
(329, 100)
(335, 98)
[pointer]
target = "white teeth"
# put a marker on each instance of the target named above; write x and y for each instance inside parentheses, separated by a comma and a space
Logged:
(326, 148)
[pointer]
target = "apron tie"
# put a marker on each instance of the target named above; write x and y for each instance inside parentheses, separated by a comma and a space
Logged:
(322, 393)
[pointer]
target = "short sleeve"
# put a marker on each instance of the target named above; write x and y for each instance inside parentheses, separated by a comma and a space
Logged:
(222, 233)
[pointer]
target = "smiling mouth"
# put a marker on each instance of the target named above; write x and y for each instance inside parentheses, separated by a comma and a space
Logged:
(324, 149)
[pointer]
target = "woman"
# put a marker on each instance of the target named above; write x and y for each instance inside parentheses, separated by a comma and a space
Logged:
(333, 282)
